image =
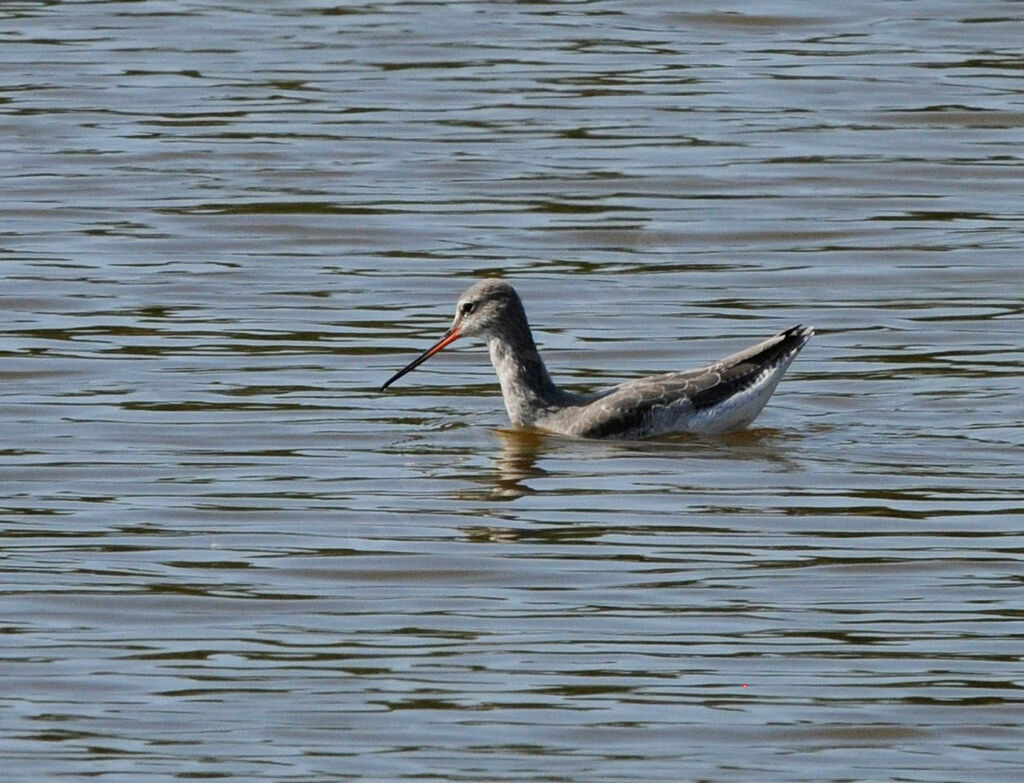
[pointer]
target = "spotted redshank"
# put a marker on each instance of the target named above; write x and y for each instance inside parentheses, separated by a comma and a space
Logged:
(720, 397)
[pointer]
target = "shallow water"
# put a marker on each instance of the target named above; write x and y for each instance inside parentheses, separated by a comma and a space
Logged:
(227, 555)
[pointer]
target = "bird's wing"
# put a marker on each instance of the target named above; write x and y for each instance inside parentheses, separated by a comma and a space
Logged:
(628, 409)
(735, 373)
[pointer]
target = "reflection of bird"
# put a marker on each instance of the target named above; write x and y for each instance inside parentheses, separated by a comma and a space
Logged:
(722, 396)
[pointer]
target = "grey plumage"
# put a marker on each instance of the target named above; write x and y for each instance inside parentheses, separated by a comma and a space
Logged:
(722, 396)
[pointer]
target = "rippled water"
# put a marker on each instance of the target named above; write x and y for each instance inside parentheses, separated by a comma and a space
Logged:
(227, 555)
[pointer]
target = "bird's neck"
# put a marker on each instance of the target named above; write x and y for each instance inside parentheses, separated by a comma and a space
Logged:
(525, 383)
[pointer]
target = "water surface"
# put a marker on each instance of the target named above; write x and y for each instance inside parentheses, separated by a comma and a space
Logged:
(227, 555)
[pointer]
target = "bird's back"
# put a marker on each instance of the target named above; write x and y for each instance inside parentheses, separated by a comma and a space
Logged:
(722, 396)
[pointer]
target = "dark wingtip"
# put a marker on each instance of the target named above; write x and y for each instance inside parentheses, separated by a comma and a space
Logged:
(799, 331)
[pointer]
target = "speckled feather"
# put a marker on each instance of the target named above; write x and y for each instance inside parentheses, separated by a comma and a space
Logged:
(691, 401)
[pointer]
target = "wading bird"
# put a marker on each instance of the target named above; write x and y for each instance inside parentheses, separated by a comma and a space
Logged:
(723, 396)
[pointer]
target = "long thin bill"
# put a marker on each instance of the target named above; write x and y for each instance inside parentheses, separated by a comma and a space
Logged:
(449, 337)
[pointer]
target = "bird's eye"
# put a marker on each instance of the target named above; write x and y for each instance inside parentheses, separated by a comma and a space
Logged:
(467, 308)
